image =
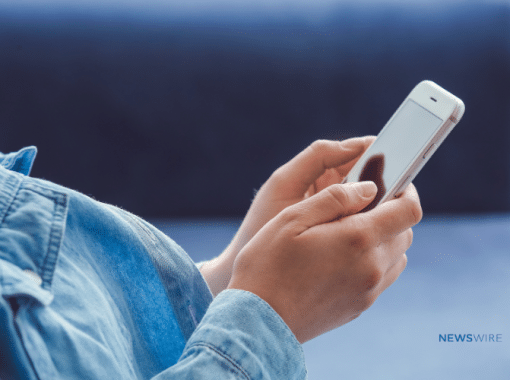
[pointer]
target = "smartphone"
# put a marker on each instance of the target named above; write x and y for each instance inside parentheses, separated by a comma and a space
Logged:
(407, 141)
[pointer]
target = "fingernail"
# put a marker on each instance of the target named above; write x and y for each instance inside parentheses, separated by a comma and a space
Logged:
(352, 145)
(367, 189)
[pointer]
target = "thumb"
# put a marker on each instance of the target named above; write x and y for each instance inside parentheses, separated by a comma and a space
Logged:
(336, 201)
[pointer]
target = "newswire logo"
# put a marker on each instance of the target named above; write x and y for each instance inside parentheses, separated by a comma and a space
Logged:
(468, 338)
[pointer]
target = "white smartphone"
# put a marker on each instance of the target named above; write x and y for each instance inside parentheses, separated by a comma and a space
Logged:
(407, 141)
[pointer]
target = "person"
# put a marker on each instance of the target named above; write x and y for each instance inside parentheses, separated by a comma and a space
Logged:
(91, 291)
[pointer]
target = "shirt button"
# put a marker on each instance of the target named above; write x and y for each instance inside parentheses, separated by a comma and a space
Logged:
(33, 276)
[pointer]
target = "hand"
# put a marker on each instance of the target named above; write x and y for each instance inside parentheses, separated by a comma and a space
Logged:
(320, 165)
(318, 271)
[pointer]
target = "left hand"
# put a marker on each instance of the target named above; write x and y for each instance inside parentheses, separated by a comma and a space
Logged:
(321, 164)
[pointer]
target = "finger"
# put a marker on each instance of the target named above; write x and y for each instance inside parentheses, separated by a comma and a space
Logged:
(393, 273)
(329, 178)
(394, 216)
(391, 250)
(334, 202)
(337, 174)
(343, 170)
(310, 164)
(389, 277)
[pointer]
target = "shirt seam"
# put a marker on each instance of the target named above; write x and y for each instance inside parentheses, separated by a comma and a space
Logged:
(182, 309)
(11, 196)
(57, 231)
(223, 355)
(286, 329)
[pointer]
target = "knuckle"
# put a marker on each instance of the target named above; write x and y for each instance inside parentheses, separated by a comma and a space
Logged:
(319, 145)
(288, 215)
(359, 239)
(414, 207)
(373, 278)
(288, 222)
(339, 194)
(417, 213)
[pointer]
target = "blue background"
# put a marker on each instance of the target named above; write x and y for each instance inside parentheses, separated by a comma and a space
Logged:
(456, 282)
(177, 111)
(184, 108)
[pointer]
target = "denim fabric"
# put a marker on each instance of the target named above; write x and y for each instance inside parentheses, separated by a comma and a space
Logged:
(20, 161)
(90, 291)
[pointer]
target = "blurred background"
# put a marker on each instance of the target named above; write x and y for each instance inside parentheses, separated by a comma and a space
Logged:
(183, 108)
(179, 110)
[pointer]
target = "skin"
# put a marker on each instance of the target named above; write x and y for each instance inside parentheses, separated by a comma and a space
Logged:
(305, 248)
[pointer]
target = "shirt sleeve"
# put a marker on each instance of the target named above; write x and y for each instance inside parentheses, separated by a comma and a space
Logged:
(239, 337)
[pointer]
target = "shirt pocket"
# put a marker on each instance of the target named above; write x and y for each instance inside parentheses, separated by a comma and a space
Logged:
(31, 232)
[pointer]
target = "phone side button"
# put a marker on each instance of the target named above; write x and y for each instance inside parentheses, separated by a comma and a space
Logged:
(430, 149)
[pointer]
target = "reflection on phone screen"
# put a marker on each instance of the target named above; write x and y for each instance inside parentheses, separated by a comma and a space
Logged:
(395, 149)
(373, 171)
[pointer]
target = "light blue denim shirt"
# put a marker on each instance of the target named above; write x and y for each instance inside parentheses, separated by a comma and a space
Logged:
(90, 291)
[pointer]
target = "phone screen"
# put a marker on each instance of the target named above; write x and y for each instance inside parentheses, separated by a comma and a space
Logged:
(395, 148)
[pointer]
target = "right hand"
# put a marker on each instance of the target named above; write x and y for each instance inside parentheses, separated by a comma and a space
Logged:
(319, 263)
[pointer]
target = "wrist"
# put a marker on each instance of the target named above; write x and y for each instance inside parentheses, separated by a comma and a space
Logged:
(218, 271)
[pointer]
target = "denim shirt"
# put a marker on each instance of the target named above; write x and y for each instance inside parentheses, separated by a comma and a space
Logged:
(90, 291)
